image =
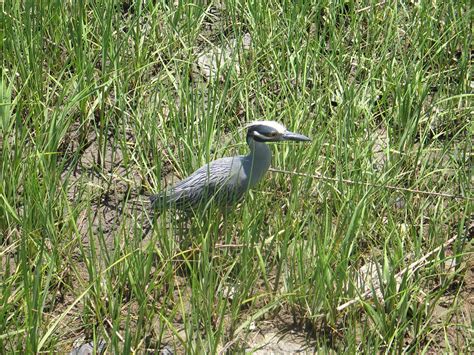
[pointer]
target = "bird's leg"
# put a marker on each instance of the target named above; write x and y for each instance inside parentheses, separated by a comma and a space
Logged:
(223, 229)
(182, 227)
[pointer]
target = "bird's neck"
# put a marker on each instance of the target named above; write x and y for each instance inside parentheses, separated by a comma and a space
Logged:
(260, 157)
(259, 151)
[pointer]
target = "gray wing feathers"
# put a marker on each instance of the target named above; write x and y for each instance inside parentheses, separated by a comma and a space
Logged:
(224, 179)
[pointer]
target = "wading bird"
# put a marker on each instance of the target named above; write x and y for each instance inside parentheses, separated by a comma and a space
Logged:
(226, 180)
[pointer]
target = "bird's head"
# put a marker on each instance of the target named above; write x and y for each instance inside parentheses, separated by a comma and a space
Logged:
(271, 131)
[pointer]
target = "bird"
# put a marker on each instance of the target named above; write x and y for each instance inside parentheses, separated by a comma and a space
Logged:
(226, 180)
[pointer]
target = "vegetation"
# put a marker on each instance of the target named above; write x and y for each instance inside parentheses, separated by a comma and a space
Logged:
(102, 102)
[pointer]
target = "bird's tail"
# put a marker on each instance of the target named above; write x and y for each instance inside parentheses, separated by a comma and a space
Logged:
(154, 199)
(157, 202)
(160, 201)
(165, 199)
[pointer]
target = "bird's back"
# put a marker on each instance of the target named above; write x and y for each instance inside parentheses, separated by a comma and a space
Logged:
(225, 180)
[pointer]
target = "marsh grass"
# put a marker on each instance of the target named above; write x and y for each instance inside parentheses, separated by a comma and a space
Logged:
(103, 102)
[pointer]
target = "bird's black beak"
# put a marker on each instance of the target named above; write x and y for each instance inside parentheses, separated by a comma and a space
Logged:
(290, 136)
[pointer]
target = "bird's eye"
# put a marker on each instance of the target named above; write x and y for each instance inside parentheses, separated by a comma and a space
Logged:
(272, 134)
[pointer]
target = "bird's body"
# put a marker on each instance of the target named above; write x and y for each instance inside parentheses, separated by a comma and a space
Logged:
(226, 180)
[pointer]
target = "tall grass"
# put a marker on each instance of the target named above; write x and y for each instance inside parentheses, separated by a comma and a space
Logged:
(103, 102)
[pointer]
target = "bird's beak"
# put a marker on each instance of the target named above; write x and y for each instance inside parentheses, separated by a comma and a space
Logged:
(290, 136)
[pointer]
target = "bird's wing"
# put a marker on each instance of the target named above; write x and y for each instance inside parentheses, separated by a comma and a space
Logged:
(220, 178)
